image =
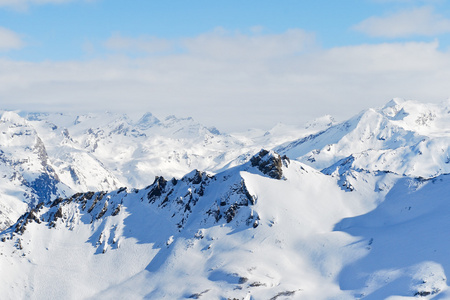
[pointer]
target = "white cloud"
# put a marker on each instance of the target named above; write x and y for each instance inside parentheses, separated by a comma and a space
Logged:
(222, 44)
(141, 44)
(9, 40)
(280, 83)
(418, 21)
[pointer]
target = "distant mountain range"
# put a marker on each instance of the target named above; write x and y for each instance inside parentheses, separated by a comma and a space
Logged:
(104, 206)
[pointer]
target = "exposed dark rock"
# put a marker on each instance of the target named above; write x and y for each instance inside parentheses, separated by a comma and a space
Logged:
(58, 213)
(26, 219)
(56, 202)
(198, 295)
(422, 293)
(230, 213)
(281, 294)
(246, 193)
(66, 133)
(32, 216)
(157, 188)
(103, 211)
(255, 223)
(122, 189)
(201, 190)
(269, 163)
(98, 198)
(19, 244)
(117, 210)
(75, 196)
(242, 280)
(187, 207)
(348, 186)
(244, 197)
(427, 293)
(197, 177)
(84, 199)
(55, 217)
(215, 212)
(39, 148)
(256, 284)
(165, 201)
(88, 195)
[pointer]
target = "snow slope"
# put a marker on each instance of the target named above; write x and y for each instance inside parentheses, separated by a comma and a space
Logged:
(403, 137)
(26, 176)
(205, 231)
(356, 210)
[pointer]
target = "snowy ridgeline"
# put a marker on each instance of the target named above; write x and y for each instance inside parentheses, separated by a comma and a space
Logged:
(335, 211)
(44, 156)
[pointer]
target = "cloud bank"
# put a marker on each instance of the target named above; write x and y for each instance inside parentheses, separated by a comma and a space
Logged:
(146, 44)
(9, 40)
(414, 22)
(231, 80)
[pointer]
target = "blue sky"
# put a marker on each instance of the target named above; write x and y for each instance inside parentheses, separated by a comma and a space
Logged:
(62, 31)
(233, 64)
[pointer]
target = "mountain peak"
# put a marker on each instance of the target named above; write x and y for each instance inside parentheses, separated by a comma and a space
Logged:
(147, 120)
(10, 116)
(321, 122)
(394, 102)
(394, 109)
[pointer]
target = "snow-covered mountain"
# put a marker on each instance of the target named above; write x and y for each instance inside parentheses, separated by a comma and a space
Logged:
(132, 151)
(355, 210)
(245, 230)
(26, 175)
(44, 156)
(406, 138)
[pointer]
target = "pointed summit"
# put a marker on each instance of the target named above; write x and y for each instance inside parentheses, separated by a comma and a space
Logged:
(146, 121)
(393, 107)
(394, 102)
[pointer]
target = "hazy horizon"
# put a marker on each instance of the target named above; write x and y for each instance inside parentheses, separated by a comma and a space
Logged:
(231, 65)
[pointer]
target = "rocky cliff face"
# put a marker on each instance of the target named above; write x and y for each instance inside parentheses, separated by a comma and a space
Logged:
(270, 163)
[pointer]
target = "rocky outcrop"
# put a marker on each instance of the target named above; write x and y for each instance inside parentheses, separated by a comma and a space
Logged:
(31, 216)
(270, 163)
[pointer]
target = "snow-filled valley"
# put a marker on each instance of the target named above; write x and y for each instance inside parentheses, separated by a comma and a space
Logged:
(106, 206)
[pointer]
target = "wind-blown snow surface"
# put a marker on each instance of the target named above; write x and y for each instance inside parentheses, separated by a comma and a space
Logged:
(355, 210)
